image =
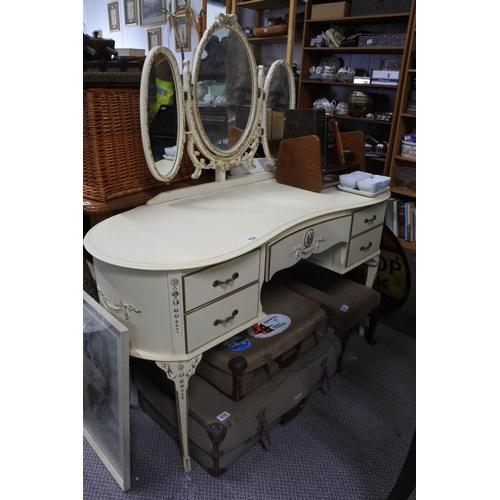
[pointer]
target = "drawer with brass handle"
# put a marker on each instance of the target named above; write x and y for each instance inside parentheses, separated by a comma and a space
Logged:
(364, 245)
(368, 218)
(214, 282)
(212, 321)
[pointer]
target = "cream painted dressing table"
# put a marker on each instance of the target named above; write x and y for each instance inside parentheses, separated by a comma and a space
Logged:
(184, 272)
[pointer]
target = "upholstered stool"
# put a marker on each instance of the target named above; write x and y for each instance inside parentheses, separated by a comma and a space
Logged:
(349, 303)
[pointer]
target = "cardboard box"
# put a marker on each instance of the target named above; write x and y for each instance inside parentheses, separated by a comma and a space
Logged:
(131, 52)
(384, 77)
(330, 10)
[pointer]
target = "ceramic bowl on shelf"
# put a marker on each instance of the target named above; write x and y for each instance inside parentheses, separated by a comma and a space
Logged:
(369, 185)
(409, 149)
(359, 103)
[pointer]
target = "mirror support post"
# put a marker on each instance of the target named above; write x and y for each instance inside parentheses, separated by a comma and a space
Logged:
(220, 176)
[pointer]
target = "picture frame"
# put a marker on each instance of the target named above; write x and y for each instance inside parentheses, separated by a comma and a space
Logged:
(180, 4)
(151, 12)
(184, 30)
(130, 12)
(114, 16)
(154, 37)
(106, 389)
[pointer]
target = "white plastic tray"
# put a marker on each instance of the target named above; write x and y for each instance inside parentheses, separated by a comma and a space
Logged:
(362, 193)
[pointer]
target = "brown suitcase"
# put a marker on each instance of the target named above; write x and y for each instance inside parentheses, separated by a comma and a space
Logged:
(221, 430)
(239, 365)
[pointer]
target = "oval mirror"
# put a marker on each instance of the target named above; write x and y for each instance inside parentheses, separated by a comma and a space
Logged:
(225, 98)
(162, 114)
(279, 95)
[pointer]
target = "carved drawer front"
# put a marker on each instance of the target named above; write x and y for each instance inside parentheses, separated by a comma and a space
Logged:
(216, 319)
(216, 281)
(364, 245)
(368, 218)
(307, 241)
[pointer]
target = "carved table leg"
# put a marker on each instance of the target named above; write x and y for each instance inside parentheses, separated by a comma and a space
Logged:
(179, 372)
(372, 268)
(371, 273)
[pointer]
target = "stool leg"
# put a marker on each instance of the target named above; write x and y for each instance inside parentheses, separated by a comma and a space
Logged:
(344, 337)
(374, 318)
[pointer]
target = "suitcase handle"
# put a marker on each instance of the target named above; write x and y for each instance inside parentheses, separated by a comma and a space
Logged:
(285, 362)
(294, 411)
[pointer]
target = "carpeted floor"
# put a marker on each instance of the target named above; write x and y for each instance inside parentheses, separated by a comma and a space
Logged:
(348, 443)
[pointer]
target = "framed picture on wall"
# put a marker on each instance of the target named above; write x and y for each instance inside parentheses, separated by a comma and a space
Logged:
(114, 16)
(180, 4)
(106, 389)
(152, 12)
(154, 37)
(184, 34)
(130, 8)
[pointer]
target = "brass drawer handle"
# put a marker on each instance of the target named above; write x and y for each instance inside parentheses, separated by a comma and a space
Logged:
(366, 248)
(369, 221)
(224, 321)
(229, 280)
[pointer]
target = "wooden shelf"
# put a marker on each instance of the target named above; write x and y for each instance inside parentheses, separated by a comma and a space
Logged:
(271, 40)
(410, 245)
(375, 19)
(366, 120)
(405, 158)
(404, 192)
(263, 4)
(356, 50)
(350, 84)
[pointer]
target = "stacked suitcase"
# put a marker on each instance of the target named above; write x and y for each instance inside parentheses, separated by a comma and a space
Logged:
(247, 385)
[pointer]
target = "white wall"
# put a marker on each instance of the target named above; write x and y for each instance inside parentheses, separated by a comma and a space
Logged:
(95, 17)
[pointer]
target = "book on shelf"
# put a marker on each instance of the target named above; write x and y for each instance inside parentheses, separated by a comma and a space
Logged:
(392, 214)
(401, 220)
(415, 224)
(409, 207)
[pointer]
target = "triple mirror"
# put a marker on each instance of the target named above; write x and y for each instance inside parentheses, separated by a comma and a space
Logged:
(218, 113)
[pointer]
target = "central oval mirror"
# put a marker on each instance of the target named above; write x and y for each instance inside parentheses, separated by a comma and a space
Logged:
(162, 114)
(225, 93)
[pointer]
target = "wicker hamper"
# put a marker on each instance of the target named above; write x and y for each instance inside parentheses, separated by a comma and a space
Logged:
(113, 158)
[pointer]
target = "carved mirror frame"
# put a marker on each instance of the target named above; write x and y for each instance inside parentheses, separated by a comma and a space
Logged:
(144, 109)
(203, 153)
(274, 72)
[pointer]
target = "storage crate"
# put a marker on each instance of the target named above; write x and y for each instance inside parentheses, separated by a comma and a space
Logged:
(113, 157)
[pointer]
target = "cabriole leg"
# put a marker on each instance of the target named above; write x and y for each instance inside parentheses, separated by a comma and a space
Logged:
(179, 372)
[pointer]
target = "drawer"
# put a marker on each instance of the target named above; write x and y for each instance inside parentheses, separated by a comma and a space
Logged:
(368, 218)
(307, 241)
(214, 282)
(364, 245)
(216, 319)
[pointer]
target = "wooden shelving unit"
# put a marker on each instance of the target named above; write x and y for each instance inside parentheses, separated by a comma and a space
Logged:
(260, 9)
(368, 58)
(404, 122)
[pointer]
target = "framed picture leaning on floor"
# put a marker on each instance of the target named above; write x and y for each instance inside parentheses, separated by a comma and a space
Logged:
(106, 390)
